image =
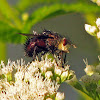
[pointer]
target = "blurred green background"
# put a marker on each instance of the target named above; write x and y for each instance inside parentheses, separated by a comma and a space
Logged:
(67, 17)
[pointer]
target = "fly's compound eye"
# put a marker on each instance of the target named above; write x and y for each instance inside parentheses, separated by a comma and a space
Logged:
(64, 41)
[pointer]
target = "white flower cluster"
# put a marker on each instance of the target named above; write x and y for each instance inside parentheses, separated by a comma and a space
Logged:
(96, 1)
(92, 79)
(94, 30)
(34, 81)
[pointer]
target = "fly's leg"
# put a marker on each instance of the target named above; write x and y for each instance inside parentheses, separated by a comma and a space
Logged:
(35, 53)
(42, 54)
(62, 57)
(59, 56)
(62, 60)
(65, 58)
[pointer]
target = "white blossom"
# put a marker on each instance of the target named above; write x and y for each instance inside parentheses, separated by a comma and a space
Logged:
(58, 70)
(48, 74)
(64, 75)
(90, 69)
(8, 68)
(46, 65)
(90, 29)
(19, 75)
(86, 79)
(49, 99)
(96, 1)
(98, 34)
(98, 22)
(60, 96)
(95, 78)
(29, 83)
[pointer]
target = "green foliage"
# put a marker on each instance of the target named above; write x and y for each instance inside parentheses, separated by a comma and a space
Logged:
(9, 13)
(23, 5)
(15, 19)
(8, 33)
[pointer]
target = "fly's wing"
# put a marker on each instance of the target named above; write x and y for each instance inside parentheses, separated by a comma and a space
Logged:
(44, 35)
(50, 38)
(39, 36)
(24, 34)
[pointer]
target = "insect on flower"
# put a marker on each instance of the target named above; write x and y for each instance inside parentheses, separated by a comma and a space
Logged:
(47, 41)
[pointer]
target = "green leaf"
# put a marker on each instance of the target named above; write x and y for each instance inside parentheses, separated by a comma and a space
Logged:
(83, 96)
(9, 34)
(9, 13)
(23, 5)
(90, 18)
(58, 9)
(4, 20)
(10, 23)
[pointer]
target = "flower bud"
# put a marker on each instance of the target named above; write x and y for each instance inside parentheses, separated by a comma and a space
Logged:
(90, 69)
(98, 2)
(46, 66)
(95, 78)
(64, 75)
(25, 16)
(59, 96)
(19, 76)
(58, 71)
(48, 74)
(58, 79)
(71, 74)
(98, 35)
(90, 82)
(66, 67)
(91, 29)
(98, 23)
(49, 99)
(86, 79)
(94, 0)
